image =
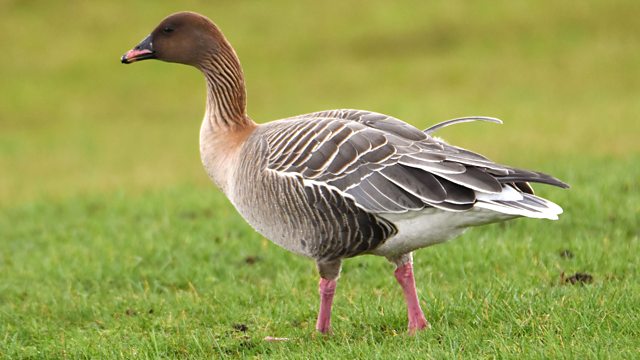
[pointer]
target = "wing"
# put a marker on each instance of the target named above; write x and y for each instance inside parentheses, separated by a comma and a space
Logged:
(386, 165)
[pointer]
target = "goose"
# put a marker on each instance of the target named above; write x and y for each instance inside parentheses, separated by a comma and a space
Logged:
(331, 185)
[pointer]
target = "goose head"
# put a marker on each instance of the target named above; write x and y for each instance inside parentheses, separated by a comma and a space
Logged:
(185, 37)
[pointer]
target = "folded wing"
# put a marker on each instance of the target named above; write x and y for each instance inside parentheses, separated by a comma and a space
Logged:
(388, 166)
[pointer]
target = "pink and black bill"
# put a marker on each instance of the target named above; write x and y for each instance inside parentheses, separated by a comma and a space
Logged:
(142, 51)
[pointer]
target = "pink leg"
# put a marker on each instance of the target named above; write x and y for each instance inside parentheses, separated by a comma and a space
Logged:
(404, 275)
(327, 289)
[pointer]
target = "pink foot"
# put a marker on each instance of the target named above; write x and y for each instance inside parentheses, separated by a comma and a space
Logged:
(327, 289)
(417, 321)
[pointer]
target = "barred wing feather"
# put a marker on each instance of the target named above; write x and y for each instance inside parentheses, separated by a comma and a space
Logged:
(388, 166)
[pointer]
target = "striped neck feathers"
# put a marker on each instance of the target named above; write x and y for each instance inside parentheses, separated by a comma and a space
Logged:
(226, 95)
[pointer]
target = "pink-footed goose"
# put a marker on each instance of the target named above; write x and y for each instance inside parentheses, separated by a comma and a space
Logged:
(336, 184)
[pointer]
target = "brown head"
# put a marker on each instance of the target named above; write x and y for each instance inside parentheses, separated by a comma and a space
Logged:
(192, 39)
(184, 37)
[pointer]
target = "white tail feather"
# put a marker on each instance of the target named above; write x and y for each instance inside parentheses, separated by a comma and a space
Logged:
(529, 206)
(508, 194)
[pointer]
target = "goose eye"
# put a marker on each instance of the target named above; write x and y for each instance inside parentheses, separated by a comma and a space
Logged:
(167, 30)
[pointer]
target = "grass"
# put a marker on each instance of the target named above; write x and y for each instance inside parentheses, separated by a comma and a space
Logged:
(177, 273)
(113, 244)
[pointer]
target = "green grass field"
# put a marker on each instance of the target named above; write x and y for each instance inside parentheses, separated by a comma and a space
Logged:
(114, 244)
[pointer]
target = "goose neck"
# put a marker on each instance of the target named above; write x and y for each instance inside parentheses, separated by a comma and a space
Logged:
(226, 95)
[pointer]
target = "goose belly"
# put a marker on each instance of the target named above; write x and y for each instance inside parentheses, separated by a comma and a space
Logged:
(419, 229)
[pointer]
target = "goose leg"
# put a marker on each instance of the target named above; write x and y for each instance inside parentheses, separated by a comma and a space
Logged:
(404, 275)
(329, 272)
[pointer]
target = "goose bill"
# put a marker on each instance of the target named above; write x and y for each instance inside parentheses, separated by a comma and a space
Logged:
(137, 55)
(142, 51)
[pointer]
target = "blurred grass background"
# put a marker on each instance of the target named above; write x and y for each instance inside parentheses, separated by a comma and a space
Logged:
(113, 242)
(565, 77)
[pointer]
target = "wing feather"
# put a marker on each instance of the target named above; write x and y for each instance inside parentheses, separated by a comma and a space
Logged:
(416, 182)
(388, 166)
